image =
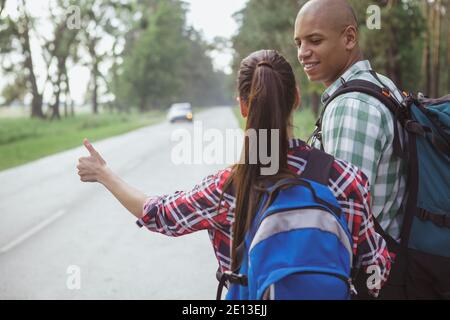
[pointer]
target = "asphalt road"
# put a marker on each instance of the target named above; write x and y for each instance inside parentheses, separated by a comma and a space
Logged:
(64, 239)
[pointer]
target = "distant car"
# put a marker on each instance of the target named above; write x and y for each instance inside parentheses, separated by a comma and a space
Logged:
(180, 112)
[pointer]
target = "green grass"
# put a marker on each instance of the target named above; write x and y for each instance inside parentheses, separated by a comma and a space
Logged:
(304, 121)
(23, 139)
(237, 113)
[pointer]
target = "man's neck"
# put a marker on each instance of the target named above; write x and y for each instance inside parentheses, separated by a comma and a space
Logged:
(355, 59)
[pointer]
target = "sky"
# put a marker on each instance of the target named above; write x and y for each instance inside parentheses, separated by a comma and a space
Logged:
(213, 18)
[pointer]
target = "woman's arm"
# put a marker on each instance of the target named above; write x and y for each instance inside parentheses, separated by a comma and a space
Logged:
(375, 257)
(94, 169)
(184, 212)
(128, 196)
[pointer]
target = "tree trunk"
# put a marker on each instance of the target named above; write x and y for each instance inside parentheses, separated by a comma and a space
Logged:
(393, 65)
(436, 48)
(66, 97)
(391, 51)
(142, 104)
(448, 46)
(72, 108)
(36, 103)
(432, 27)
(57, 91)
(65, 109)
(55, 111)
(2, 5)
(426, 52)
(95, 88)
(94, 74)
(36, 106)
(69, 102)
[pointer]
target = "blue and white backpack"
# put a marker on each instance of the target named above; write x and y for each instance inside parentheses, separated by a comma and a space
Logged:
(299, 245)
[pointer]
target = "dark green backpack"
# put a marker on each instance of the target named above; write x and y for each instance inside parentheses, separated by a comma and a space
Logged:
(423, 141)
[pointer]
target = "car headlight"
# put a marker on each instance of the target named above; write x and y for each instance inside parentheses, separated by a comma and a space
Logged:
(189, 116)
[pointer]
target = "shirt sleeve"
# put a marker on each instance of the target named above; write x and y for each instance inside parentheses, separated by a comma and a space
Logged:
(353, 130)
(184, 212)
(372, 254)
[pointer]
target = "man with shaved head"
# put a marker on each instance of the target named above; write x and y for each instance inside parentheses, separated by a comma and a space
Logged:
(326, 36)
(355, 126)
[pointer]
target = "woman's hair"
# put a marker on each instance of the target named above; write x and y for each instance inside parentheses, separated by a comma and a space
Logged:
(266, 84)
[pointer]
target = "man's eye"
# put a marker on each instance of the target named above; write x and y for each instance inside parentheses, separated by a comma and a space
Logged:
(298, 44)
(316, 41)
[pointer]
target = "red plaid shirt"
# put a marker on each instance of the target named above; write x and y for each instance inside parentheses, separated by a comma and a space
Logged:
(184, 212)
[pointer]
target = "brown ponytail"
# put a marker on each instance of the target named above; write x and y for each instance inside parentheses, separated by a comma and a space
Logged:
(266, 84)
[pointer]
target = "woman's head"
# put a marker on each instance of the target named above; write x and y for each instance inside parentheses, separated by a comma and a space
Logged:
(266, 82)
(267, 95)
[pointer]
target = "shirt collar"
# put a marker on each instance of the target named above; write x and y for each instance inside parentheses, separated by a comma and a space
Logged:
(360, 66)
(296, 142)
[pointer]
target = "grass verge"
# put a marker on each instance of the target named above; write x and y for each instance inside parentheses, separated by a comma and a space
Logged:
(304, 121)
(24, 139)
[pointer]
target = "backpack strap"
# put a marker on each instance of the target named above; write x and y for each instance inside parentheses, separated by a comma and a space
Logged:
(431, 101)
(318, 167)
(232, 276)
(381, 93)
(441, 220)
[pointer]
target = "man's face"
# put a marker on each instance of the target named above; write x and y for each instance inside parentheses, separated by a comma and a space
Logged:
(321, 50)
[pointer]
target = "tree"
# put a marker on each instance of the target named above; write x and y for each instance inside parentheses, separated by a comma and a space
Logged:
(448, 46)
(406, 49)
(201, 84)
(58, 50)
(102, 19)
(150, 73)
(15, 42)
(395, 49)
(15, 91)
(2, 5)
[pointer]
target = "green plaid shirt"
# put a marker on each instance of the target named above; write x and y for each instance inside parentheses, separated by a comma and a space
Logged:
(359, 129)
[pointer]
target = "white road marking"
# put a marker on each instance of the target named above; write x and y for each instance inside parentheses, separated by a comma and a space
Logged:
(29, 233)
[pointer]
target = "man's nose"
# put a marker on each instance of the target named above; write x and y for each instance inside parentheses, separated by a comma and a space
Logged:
(303, 52)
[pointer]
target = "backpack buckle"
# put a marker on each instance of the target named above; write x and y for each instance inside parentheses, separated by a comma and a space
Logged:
(423, 215)
(439, 220)
(353, 290)
(415, 127)
(240, 279)
(386, 92)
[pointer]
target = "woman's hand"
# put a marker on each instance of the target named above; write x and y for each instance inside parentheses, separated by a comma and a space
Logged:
(92, 168)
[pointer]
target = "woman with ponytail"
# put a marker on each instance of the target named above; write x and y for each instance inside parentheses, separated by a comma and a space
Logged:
(225, 202)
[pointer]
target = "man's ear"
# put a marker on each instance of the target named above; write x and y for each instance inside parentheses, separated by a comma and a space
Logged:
(244, 108)
(351, 37)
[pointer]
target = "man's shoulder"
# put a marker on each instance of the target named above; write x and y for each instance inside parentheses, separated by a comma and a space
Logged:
(390, 84)
(354, 101)
(357, 103)
(385, 81)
